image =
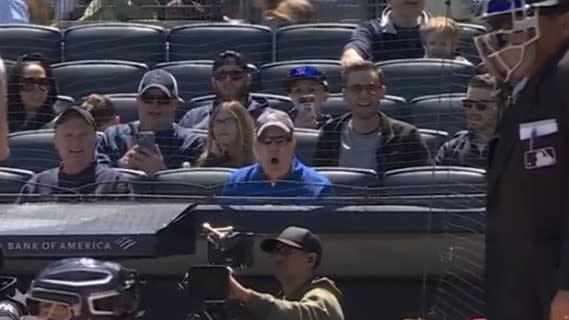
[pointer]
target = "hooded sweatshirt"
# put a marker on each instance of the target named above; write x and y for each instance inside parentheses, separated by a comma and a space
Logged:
(318, 300)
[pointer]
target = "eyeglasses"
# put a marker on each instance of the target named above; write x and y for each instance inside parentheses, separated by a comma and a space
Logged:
(279, 140)
(159, 99)
(234, 75)
(358, 88)
(30, 83)
(478, 105)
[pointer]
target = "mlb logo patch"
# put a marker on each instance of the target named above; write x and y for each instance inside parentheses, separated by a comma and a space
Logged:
(539, 158)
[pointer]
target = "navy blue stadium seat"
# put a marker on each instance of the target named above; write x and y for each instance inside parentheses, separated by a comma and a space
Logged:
(312, 41)
(411, 78)
(62, 103)
(19, 39)
(32, 150)
(272, 75)
(394, 107)
(306, 140)
(275, 101)
(81, 78)
(206, 41)
(11, 182)
(194, 77)
(125, 105)
(189, 182)
(439, 112)
(350, 181)
(433, 139)
(115, 41)
(466, 46)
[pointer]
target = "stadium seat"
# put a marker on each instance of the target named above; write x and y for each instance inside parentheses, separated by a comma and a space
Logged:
(439, 112)
(275, 101)
(62, 103)
(115, 41)
(466, 46)
(272, 75)
(433, 139)
(206, 41)
(19, 39)
(11, 182)
(81, 78)
(8, 64)
(411, 78)
(189, 182)
(125, 105)
(194, 77)
(350, 181)
(306, 140)
(312, 41)
(32, 150)
(394, 107)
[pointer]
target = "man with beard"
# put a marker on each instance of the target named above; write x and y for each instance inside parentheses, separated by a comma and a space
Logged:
(230, 80)
(527, 232)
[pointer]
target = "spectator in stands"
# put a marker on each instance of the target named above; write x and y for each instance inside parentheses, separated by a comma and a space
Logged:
(32, 92)
(103, 110)
(395, 35)
(470, 147)
(157, 102)
(14, 11)
(440, 39)
(231, 79)
(277, 172)
(120, 10)
(230, 138)
(78, 173)
(278, 13)
(4, 148)
(295, 254)
(305, 84)
(366, 137)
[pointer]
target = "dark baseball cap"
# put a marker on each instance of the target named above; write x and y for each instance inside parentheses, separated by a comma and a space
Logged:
(305, 73)
(230, 57)
(295, 237)
(75, 110)
(159, 79)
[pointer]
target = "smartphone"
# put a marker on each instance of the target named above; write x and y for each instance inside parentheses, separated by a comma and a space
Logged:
(146, 140)
(306, 104)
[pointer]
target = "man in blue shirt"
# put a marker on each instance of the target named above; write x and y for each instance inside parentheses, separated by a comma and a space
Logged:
(277, 173)
(172, 146)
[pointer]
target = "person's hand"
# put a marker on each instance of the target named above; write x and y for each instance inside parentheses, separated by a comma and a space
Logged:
(237, 291)
(148, 161)
(350, 57)
(560, 306)
(306, 120)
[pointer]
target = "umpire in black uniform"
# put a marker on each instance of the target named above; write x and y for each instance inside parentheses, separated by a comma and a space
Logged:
(527, 235)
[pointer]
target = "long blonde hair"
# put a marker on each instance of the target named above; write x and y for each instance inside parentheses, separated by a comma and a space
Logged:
(246, 128)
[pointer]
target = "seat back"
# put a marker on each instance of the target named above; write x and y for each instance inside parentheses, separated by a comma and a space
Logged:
(410, 78)
(306, 140)
(206, 41)
(439, 112)
(11, 182)
(466, 46)
(115, 41)
(81, 78)
(272, 75)
(433, 139)
(32, 150)
(312, 41)
(350, 181)
(19, 39)
(194, 77)
(190, 182)
(125, 105)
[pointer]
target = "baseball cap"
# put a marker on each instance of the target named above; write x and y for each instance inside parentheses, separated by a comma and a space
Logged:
(274, 118)
(305, 73)
(83, 113)
(159, 79)
(296, 237)
(230, 57)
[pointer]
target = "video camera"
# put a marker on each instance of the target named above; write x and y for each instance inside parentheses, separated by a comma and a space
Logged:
(207, 285)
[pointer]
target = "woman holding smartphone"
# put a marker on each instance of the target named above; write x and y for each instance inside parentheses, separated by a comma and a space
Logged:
(230, 137)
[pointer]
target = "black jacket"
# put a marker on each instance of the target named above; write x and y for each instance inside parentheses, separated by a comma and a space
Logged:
(527, 232)
(401, 145)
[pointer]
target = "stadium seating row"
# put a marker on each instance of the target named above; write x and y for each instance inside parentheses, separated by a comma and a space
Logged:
(413, 185)
(405, 78)
(152, 44)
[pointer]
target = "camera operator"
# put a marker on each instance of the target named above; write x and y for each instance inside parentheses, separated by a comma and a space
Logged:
(296, 254)
(12, 304)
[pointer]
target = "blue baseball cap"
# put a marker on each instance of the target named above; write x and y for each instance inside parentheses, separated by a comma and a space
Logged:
(305, 73)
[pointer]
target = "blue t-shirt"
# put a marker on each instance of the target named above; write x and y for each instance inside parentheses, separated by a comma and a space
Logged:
(302, 181)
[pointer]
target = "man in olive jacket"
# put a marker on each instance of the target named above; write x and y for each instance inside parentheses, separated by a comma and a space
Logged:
(295, 254)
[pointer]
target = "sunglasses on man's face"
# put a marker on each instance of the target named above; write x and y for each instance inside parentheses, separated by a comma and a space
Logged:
(233, 75)
(279, 140)
(30, 83)
(159, 99)
(475, 104)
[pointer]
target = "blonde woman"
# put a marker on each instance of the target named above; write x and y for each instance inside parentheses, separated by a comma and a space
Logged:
(230, 137)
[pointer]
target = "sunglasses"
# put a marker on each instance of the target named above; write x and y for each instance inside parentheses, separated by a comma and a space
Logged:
(478, 105)
(279, 140)
(30, 83)
(159, 99)
(234, 75)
